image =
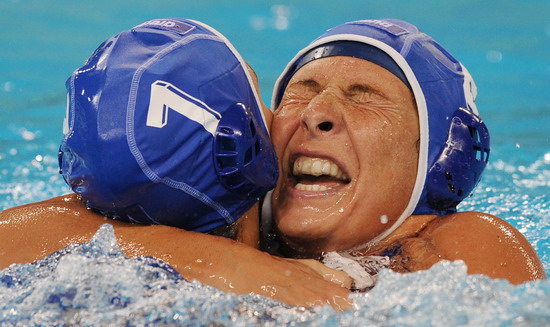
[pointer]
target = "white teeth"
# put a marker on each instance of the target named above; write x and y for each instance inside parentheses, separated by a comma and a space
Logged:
(314, 187)
(317, 167)
(333, 170)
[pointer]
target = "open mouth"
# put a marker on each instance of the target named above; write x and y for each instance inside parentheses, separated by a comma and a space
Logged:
(317, 175)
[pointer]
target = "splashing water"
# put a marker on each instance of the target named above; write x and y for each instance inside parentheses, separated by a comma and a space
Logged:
(96, 284)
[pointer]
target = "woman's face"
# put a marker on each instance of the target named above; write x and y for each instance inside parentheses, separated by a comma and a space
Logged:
(346, 135)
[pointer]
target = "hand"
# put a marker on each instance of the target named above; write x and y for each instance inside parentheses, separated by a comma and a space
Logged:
(332, 275)
(303, 282)
(230, 266)
(241, 269)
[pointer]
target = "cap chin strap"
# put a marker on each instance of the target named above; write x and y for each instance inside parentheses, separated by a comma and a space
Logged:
(381, 236)
(266, 219)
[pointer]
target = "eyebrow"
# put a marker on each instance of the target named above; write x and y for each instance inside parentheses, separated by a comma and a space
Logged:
(362, 88)
(309, 83)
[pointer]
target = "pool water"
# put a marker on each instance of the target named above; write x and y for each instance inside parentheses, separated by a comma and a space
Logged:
(77, 286)
(505, 45)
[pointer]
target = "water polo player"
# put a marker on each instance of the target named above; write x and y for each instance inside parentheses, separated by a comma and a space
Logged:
(165, 133)
(165, 126)
(379, 138)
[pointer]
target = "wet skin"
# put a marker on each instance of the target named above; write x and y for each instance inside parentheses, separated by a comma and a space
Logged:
(32, 231)
(346, 134)
(340, 110)
(487, 244)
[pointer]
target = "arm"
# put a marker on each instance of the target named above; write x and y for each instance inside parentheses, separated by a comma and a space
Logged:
(30, 232)
(235, 267)
(487, 244)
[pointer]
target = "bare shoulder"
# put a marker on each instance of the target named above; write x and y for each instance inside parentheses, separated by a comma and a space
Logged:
(487, 244)
(29, 232)
(65, 204)
(63, 214)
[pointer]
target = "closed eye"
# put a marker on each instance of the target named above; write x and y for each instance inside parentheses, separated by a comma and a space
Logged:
(362, 93)
(300, 91)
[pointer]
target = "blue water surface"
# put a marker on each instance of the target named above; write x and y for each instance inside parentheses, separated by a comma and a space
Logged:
(95, 284)
(504, 44)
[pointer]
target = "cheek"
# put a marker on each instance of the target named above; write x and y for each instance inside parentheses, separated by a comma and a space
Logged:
(388, 153)
(373, 142)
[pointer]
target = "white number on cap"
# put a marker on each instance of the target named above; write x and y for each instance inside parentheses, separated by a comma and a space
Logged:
(165, 96)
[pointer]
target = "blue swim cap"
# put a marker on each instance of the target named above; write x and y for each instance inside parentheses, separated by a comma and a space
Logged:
(454, 141)
(164, 126)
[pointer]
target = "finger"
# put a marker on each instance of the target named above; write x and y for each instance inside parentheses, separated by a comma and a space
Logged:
(340, 303)
(338, 277)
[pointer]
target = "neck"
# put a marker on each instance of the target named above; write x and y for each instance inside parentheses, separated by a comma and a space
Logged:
(410, 227)
(249, 227)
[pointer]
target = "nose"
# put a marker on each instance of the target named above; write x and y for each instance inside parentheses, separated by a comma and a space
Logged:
(322, 115)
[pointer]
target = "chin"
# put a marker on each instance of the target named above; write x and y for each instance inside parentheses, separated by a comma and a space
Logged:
(310, 241)
(297, 240)
(305, 230)
(300, 248)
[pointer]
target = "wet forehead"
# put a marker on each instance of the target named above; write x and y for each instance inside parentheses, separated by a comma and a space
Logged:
(346, 72)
